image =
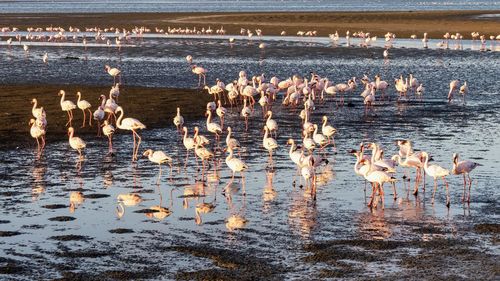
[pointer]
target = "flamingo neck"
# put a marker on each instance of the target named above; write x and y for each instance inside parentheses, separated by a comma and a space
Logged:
(324, 122)
(185, 135)
(62, 97)
(228, 137)
(292, 148)
(209, 118)
(270, 116)
(119, 120)
(79, 96)
(35, 104)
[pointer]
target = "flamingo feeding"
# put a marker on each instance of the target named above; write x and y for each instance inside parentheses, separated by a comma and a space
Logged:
(159, 157)
(464, 168)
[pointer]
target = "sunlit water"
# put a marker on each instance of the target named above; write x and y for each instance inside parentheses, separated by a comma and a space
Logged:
(279, 222)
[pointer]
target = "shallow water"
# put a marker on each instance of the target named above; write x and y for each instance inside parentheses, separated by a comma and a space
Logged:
(36, 193)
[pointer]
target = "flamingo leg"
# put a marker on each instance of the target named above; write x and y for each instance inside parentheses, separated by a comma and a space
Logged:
(381, 192)
(159, 174)
(90, 117)
(133, 149)
(84, 117)
(465, 184)
(447, 193)
(138, 144)
(394, 191)
(110, 144)
(435, 188)
(470, 184)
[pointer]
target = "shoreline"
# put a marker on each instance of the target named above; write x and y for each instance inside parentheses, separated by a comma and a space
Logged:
(403, 24)
(161, 104)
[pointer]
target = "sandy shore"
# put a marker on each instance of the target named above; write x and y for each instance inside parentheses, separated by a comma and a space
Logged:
(436, 23)
(161, 104)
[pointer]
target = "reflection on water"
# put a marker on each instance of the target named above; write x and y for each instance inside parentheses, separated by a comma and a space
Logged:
(276, 217)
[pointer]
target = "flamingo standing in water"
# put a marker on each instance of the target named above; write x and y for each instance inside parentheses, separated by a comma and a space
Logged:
(67, 106)
(99, 113)
(108, 131)
(271, 124)
(453, 88)
(269, 143)
(37, 132)
(436, 172)
(464, 168)
(377, 178)
(213, 127)
(464, 89)
(236, 165)
(245, 112)
(36, 111)
(45, 58)
(75, 142)
(328, 130)
(84, 105)
(130, 124)
(188, 143)
(113, 72)
(231, 142)
(221, 112)
(178, 120)
(200, 71)
(159, 157)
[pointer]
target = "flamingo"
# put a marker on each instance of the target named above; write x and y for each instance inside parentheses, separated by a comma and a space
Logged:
(115, 91)
(328, 130)
(108, 130)
(113, 72)
(319, 139)
(453, 88)
(67, 106)
(221, 112)
(236, 165)
(231, 142)
(309, 175)
(75, 142)
(269, 143)
(188, 143)
(84, 105)
(436, 172)
(37, 133)
(99, 113)
(213, 127)
(200, 71)
(37, 112)
(377, 178)
(45, 58)
(130, 124)
(159, 157)
(245, 112)
(200, 139)
(178, 120)
(263, 101)
(271, 123)
(110, 106)
(204, 154)
(189, 59)
(464, 168)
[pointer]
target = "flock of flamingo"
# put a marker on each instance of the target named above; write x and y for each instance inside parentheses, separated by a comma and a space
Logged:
(294, 92)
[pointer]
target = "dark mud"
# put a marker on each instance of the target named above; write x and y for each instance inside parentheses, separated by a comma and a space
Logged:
(62, 218)
(121, 230)
(70, 237)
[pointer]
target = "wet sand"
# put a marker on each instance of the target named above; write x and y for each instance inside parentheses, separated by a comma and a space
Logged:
(435, 23)
(161, 104)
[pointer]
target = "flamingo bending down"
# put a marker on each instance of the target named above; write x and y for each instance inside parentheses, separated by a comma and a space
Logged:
(453, 88)
(178, 120)
(84, 105)
(436, 172)
(75, 142)
(130, 124)
(113, 72)
(67, 106)
(158, 157)
(203, 208)
(108, 131)
(464, 168)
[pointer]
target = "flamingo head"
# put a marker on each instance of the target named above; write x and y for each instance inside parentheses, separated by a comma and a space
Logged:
(61, 92)
(455, 158)
(148, 152)
(32, 121)
(107, 67)
(290, 142)
(70, 130)
(33, 101)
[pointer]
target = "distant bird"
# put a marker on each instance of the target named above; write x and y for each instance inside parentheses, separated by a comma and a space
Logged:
(67, 106)
(464, 89)
(386, 53)
(189, 59)
(159, 157)
(26, 48)
(45, 58)
(75, 142)
(464, 168)
(453, 88)
(115, 91)
(130, 124)
(84, 105)
(113, 72)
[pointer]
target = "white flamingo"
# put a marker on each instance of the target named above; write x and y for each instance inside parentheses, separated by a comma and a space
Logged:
(221, 112)
(130, 124)
(269, 143)
(213, 127)
(464, 168)
(75, 142)
(84, 105)
(178, 120)
(328, 130)
(231, 142)
(454, 86)
(114, 72)
(436, 172)
(67, 106)
(108, 130)
(159, 157)
(236, 165)
(200, 71)
(271, 124)
(99, 113)
(245, 112)
(37, 133)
